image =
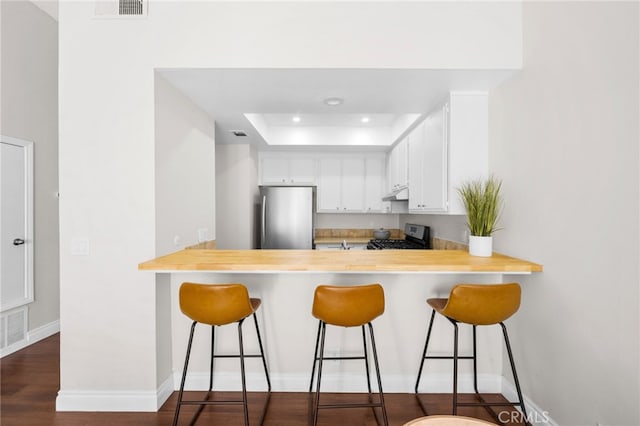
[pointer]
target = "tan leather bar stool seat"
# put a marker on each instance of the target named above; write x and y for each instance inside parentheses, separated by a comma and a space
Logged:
(347, 306)
(218, 305)
(477, 305)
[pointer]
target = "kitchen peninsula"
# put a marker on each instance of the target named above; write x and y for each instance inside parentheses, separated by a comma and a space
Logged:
(257, 261)
(285, 281)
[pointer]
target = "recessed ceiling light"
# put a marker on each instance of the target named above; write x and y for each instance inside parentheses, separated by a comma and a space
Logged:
(296, 119)
(364, 119)
(334, 101)
(239, 133)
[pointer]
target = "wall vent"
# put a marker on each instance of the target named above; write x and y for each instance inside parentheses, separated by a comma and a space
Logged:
(130, 7)
(121, 8)
(13, 327)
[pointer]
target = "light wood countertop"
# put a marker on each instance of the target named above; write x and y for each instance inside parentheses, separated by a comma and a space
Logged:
(362, 261)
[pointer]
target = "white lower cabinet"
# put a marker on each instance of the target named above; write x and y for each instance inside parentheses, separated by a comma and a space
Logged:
(337, 246)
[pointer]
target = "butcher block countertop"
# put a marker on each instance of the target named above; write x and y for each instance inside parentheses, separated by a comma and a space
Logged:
(362, 261)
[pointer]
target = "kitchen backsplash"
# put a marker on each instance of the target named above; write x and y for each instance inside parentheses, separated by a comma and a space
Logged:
(355, 233)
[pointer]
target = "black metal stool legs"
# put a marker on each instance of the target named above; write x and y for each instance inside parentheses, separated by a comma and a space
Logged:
(242, 357)
(375, 362)
(319, 358)
(316, 407)
(264, 361)
(455, 359)
(184, 374)
(513, 370)
(315, 356)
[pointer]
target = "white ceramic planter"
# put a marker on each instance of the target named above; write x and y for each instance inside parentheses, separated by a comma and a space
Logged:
(480, 246)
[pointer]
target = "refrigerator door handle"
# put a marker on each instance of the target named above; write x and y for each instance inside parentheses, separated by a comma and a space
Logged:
(264, 220)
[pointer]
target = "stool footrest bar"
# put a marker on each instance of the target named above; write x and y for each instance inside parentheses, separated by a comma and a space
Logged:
(349, 405)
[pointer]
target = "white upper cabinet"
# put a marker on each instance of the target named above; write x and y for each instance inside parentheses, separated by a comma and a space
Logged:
(374, 183)
(346, 183)
(448, 148)
(286, 169)
(397, 165)
(351, 184)
(428, 164)
(340, 185)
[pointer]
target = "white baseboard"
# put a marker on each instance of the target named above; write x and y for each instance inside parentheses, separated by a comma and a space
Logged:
(32, 337)
(107, 401)
(164, 392)
(140, 401)
(535, 415)
(149, 401)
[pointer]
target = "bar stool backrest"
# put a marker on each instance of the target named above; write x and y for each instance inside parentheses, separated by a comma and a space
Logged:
(482, 304)
(349, 306)
(215, 304)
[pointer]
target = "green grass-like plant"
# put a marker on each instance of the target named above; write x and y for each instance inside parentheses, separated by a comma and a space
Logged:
(483, 203)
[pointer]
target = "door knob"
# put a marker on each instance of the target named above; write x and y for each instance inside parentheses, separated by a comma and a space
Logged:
(18, 241)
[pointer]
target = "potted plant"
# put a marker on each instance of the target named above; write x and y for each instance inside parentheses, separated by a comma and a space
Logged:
(483, 203)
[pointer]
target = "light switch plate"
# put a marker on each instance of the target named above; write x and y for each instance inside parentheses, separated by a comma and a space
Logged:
(80, 246)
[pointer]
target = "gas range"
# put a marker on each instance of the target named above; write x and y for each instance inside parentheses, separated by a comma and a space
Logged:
(417, 237)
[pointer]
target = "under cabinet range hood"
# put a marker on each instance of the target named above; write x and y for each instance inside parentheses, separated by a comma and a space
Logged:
(399, 193)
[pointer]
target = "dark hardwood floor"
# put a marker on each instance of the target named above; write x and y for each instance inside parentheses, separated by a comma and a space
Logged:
(31, 379)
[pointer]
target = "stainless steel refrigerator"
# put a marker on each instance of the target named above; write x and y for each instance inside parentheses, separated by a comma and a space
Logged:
(287, 217)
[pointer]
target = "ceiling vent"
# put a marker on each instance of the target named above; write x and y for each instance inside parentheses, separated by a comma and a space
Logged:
(238, 133)
(121, 8)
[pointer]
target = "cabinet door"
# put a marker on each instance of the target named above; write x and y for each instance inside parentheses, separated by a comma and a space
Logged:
(274, 170)
(353, 173)
(374, 184)
(302, 171)
(434, 176)
(403, 162)
(397, 170)
(329, 182)
(416, 168)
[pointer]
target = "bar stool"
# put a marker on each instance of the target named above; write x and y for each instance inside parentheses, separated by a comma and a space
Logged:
(216, 305)
(475, 304)
(354, 306)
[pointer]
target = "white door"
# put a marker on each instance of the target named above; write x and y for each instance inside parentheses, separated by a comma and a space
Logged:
(16, 223)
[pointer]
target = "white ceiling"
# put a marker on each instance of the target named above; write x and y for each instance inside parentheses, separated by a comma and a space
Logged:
(278, 94)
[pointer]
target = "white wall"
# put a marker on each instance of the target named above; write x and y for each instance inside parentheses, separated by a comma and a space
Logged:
(185, 170)
(564, 137)
(236, 196)
(29, 108)
(184, 191)
(107, 160)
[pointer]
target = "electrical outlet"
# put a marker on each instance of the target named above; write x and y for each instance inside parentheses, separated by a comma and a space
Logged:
(203, 235)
